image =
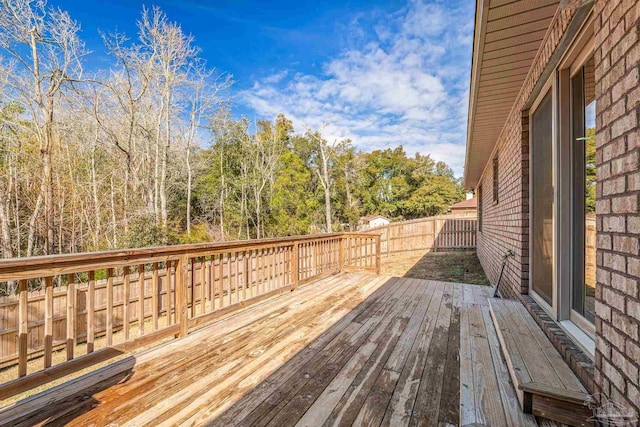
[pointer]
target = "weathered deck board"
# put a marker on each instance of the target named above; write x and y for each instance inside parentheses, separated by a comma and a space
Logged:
(349, 349)
(514, 416)
(426, 407)
(546, 385)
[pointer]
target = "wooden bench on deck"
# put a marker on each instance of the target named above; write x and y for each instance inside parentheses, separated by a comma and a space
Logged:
(544, 384)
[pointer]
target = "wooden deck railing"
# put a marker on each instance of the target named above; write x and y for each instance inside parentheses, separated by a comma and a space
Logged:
(104, 304)
(439, 233)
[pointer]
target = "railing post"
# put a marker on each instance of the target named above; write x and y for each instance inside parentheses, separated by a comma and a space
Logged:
(378, 246)
(341, 253)
(296, 265)
(181, 294)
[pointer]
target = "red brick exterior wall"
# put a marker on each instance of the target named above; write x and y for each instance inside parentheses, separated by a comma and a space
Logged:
(617, 59)
(505, 224)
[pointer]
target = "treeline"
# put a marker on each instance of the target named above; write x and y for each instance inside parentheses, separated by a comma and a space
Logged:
(277, 183)
(147, 151)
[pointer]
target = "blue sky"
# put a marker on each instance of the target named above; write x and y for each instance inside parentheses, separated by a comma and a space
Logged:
(381, 73)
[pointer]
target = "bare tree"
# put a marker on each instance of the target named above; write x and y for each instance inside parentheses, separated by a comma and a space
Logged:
(128, 87)
(172, 53)
(265, 150)
(321, 165)
(46, 51)
(348, 162)
(202, 96)
(8, 142)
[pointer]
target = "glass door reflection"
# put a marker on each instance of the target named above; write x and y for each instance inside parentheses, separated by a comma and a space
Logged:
(584, 191)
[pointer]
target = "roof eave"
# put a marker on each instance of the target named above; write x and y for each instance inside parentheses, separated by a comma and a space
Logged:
(482, 9)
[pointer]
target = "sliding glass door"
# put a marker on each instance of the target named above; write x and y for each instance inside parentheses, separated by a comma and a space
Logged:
(562, 193)
(542, 199)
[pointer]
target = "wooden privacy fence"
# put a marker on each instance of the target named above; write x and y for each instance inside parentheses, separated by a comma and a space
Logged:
(440, 233)
(104, 304)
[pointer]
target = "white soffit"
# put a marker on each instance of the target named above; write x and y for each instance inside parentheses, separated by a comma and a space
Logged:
(507, 36)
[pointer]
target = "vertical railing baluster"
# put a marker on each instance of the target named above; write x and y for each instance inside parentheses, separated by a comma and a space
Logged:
(211, 289)
(230, 268)
(155, 294)
(237, 281)
(91, 307)
(253, 276)
(48, 320)
(279, 264)
(285, 267)
(327, 255)
(366, 253)
(221, 273)
(168, 279)
(271, 269)
(109, 314)
(265, 270)
(71, 315)
(296, 265)
(260, 275)
(23, 326)
(378, 250)
(141, 298)
(276, 277)
(126, 297)
(275, 269)
(203, 276)
(245, 275)
(192, 290)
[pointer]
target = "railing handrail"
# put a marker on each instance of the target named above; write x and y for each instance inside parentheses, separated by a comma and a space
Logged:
(203, 282)
(18, 268)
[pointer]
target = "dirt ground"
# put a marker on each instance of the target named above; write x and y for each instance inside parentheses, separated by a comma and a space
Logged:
(459, 267)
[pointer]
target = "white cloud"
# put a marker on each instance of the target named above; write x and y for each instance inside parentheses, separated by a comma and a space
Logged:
(407, 84)
(275, 78)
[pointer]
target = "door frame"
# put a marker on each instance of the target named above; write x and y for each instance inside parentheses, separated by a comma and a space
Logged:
(559, 82)
(576, 56)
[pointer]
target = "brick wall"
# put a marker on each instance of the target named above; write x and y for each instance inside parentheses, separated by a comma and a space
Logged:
(506, 224)
(617, 58)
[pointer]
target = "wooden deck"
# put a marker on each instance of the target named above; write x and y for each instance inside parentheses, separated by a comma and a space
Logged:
(351, 349)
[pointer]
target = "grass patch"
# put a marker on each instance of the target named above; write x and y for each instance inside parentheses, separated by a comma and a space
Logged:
(459, 267)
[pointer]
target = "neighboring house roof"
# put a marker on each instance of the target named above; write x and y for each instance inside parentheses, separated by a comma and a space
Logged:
(506, 40)
(370, 218)
(466, 204)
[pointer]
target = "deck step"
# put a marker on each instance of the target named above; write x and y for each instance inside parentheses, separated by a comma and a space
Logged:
(544, 383)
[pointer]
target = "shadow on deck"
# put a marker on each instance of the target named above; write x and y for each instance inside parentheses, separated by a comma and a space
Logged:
(349, 349)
